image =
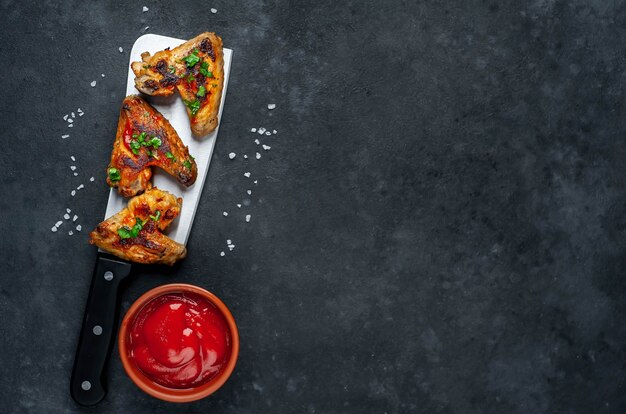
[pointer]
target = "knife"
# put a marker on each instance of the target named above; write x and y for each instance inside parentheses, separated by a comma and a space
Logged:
(88, 382)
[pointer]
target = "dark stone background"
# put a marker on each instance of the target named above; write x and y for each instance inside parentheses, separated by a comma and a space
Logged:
(439, 226)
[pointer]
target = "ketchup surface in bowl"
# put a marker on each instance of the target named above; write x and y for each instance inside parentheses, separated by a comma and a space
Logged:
(179, 340)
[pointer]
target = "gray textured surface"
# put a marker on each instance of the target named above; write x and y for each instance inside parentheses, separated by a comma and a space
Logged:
(439, 226)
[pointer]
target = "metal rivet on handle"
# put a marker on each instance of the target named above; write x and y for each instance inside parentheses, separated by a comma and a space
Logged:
(86, 385)
(108, 275)
(97, 330)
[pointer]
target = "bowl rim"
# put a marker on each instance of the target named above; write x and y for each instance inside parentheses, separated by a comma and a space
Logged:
(172, 394)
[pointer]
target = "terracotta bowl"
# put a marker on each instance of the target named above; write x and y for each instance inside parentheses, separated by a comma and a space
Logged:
(157, 390)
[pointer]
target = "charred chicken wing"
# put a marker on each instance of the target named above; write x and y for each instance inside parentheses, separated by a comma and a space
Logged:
(135, 233)
(145, 139)
(196, 69)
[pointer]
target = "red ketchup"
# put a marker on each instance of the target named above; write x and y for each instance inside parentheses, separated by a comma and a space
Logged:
(179, 340)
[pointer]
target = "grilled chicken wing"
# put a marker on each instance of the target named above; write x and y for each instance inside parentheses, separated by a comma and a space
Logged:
(135, 233)
(145, 139)
(196, 69)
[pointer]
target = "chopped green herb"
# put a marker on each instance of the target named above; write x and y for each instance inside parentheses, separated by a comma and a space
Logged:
(135, 145)
(147, 66)
(157, 216)
(146, 113)
(114, 174)
(190, 78)
(126, 233)
(135, 135)
(172, 69)
(155, 142)
(141, 137)
(170, 156)
(194, 106)
(201, 91)
(187, 164)
(192, 59)
(191, 156)
(136, 152)
(204, 69)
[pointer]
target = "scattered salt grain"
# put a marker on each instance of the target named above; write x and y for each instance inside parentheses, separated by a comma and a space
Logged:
(274, 132)
(271, 106)
(65, 117)
(54, 229)
(261, 131)
(245, 156)
(80, 111)
(238, 205)
(65, 136)
(222, 254)
(225, 214)
(91, 179)
(248, 216)
(258, 156)
(79, 227)
(213, 11)
(58, 223)
(121, 49)
(232, 155)
(68, 210)
(231, 247)
(70, 232)
(75, 217)
(73, 193)
(247, 174)
(252, 130)
(146, 28)
(70, 120)
(249, 192)
(80, 187)
(73, 115)
(73, 167)
(266, 147)
(75, 174)
(229, 241)
(102, 75)
(256, 181)
(72, 158)
(93, 84)
(66, 216)
(70, 125)
(268, 133)
(256, 141)
(145, 9)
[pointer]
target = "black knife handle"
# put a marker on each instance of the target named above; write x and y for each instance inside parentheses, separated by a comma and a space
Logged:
(88, 385)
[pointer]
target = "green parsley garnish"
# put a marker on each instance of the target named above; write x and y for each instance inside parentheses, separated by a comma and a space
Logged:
(187, 164)
(192, 59)
(170, 156)
(141, 137)
(157, 216)
(126, 233)
(155, 142)
(147, 66)
(190, 78)
(201, 91)
(172, 69)
(114, 174)
(204, 69)
(135, 145)
(194, 106)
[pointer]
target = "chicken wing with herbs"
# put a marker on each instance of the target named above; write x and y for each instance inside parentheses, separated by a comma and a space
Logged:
(145, 139)
(196, 69)
(135, 233)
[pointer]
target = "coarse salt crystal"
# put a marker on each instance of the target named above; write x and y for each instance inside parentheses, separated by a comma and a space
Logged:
(256, 141)
(266, 147)
(65, 117)
(248, 216)
(66, 216)
(247, 174)
(274, 132)
(70, 120)
(271, 106)
(73, 193)
(249, 192)
(73, 167)
(72, 158)
(145, 9)
(80, 187)
(70, 232)
(231, 247)
(75, 217)
(245, 156)
(70, 125)
(75, 174)
(58, 223)
(65, 136)
(80, 111)
(252, 130)
(229, 241)
(93, 84)
(258, 156)
(256, 181)
(68, 210)
(91, 179)
(79, 227)
(268, 133)
(213, 11)
(222, 254)
(121, 49)
(225, 214)
(102, 74)
(73, 115)
(146, 28)
(261, 131)
(238, 205)
(232, 155)
(54, 229)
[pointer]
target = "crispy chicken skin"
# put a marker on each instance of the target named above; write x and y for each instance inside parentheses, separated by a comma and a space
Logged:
(196, 69)
(150, 245)
(145, 139)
